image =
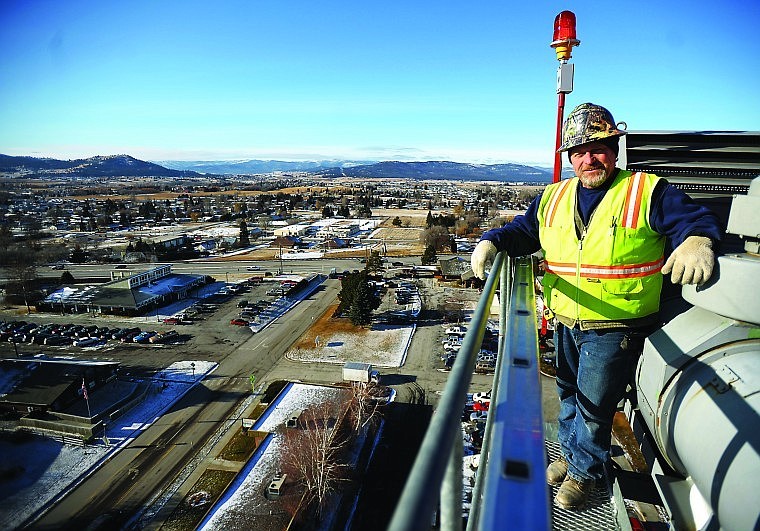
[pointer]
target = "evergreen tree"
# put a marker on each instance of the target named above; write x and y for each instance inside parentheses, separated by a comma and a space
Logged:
(348, 288)
(360, 312)
(374, 262)
(357, 298)
(429, 256)
(244, 240)
(78, 255)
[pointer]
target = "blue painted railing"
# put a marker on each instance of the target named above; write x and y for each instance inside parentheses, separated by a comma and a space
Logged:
(510, 488)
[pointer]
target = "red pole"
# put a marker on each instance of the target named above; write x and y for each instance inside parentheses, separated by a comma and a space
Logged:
(558, 142)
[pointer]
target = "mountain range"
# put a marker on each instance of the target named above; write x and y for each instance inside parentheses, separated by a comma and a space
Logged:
(100, 166)
(444, 170)
(254, 166)
(372, 169)
(127, 166)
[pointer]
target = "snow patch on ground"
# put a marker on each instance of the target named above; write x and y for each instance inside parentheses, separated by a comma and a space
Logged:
(245, 497)
(383, 346)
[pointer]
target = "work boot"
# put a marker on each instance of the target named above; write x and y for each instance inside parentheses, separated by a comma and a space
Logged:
(573, 494)
(556, 472)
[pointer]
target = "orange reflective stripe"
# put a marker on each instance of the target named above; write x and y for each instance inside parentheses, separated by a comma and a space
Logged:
(633, 201)
(605, 271)
(554, 201)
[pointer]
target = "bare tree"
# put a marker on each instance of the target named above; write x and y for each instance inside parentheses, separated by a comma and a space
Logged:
(21, 265)
(365, 405)
(311, 453)
(436, 236)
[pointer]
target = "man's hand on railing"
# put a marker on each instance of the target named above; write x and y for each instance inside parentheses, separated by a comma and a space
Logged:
(482, 258)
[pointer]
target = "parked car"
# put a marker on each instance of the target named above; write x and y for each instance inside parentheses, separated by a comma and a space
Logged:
(143, 337)
(481, 406)
(482, 397)
(486, 355)
(86, 342)
(478, 416)
(129, 336)
(39, 339)
(164, 337)
(452, 347)
(485, 366)
(456, 330)
(118, 333)
(242, 304)
(57, 340)
(239, 322)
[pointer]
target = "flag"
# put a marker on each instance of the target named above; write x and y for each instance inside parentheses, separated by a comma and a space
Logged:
(84, 390)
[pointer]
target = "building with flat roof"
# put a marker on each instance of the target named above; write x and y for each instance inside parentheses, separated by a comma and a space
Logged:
(127, 293)
(50, 385)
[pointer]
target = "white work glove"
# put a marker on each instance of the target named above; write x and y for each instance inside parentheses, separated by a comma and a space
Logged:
(691, 262)
(482, 257)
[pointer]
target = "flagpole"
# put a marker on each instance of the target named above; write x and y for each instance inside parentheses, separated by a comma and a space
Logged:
(86, 398)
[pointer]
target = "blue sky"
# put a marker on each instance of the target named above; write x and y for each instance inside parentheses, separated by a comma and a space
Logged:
(390, 80)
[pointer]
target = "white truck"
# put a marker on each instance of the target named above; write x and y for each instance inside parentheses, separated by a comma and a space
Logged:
(354, 371)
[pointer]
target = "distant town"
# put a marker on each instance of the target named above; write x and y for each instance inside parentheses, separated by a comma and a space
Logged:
(292, 303)
(68, 217)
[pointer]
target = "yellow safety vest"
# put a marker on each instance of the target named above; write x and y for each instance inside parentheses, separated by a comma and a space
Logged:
(612, 272)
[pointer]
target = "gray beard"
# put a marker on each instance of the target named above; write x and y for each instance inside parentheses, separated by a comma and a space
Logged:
(596, 182)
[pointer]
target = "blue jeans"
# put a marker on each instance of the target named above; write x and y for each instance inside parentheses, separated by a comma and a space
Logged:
(593, 369)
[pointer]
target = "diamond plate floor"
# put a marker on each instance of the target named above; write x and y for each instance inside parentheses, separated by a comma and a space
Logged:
(598, 515)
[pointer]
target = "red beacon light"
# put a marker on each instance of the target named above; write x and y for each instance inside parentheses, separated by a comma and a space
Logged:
(564, 35)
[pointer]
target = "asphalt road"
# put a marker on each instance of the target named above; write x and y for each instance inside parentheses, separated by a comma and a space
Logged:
(124, 484)
(221, 270)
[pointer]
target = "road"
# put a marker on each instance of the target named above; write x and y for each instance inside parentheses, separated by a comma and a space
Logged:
(124, 484)
(219, 269)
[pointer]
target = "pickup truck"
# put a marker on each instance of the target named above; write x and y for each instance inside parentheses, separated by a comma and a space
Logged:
(456, 330)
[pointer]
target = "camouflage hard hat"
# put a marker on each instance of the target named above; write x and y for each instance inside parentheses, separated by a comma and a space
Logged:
(588, 123)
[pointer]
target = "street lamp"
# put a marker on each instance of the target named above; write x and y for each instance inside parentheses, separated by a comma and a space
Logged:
(192, 366)
(563, 41)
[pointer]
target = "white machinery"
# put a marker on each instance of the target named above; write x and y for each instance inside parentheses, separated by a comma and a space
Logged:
(698, 383)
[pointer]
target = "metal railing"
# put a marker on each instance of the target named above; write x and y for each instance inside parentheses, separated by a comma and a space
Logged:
(510, 485)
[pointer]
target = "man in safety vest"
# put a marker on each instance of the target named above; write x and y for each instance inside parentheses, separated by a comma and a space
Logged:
(604, 235)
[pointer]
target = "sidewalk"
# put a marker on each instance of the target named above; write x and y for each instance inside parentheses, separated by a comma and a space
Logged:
(206, 460)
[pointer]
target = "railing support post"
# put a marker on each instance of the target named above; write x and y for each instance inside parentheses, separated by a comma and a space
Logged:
(451, 489)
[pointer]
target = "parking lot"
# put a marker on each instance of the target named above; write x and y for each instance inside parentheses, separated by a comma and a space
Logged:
(199, 329)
